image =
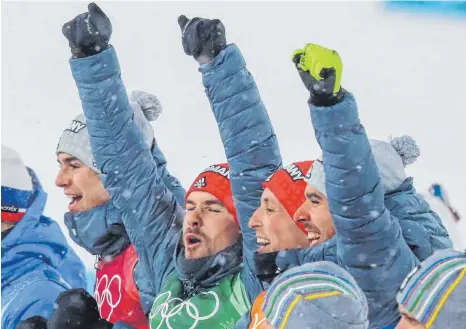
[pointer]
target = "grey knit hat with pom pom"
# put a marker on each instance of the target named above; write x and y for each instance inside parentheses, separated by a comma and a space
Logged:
(75, 138)
(391, 157)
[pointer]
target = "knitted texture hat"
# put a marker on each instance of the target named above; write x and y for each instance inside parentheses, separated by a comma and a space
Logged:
(316, 295)
(17, 188)
(288, 185)
(75, 139)
(215, 180)
(434, 293)
(391, 158)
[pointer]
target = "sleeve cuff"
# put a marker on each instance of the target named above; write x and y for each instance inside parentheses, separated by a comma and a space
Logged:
(95, 68)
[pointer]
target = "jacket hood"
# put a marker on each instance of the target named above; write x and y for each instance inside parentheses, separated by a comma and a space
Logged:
(36, 241)
(100, 230)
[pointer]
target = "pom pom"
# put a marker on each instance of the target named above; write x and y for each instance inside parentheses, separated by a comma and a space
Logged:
(150, 104)
(407, 148)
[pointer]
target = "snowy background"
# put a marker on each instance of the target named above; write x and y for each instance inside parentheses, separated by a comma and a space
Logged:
(408, 72)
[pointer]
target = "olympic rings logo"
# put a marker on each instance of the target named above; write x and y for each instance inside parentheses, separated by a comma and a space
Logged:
(105, 295)
(164, 311)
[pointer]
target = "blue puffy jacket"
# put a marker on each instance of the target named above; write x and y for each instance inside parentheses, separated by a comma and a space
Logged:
(422, 228)
(37, 264)
(369, 239)
(249, 141)
(131, 173)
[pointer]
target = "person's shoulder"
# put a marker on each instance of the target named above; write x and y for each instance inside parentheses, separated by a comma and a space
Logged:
(34, 290)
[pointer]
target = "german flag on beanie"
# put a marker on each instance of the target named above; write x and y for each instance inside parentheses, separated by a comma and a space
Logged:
(17, 188)
(288, 185)
(216, 181)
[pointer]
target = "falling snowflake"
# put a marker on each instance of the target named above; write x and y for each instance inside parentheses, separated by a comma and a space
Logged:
(374, 213)
(126, 194)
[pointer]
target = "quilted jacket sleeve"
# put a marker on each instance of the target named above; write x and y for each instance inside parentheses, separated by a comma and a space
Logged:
(249, 140)
(369, 240)
(150, 212)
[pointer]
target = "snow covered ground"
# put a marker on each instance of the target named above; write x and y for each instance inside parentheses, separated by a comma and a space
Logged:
(408, 72)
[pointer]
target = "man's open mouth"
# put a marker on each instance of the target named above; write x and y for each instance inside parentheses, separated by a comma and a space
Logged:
(74, 200)
(313, 238)
(263, 242)
(191, 240)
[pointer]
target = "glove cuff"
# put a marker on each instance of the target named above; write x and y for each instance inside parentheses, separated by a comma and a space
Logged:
(325, 99)
(82, 52)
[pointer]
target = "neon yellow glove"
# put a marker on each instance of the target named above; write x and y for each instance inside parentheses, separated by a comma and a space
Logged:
(320, 70)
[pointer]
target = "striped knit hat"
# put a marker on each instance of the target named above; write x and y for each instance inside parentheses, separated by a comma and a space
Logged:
(434, 293)
(316, 295)
(17, 188)
(288, 185)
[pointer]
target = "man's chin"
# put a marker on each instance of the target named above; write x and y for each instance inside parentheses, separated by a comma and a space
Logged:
(194, 254)
(265, 249)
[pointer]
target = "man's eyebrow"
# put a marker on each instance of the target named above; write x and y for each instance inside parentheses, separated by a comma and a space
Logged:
(214, 202)
(206, 203)
(67, 160)
(269, 201)
(313, 195)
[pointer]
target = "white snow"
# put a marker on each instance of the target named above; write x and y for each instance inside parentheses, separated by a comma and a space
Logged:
(407, 71)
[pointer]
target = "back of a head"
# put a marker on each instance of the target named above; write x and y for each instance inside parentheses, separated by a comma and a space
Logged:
(434, 293)
(391, 158)
(17, 187)
(319, 295)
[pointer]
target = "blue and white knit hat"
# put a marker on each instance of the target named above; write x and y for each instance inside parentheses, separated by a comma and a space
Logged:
(434, 293)
(391, 157)
(75, 139)
(17, 188)
(316, 295)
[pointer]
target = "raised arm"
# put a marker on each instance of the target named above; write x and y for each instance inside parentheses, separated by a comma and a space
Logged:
(369, 240)
(249, 140)
(150, 212)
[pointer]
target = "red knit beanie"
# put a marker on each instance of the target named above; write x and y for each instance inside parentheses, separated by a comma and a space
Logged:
(215, 180)
(288, 185)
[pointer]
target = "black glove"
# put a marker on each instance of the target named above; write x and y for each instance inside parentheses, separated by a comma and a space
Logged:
(34, 322)
(75, 309)
(320, 70)
(88, 33)
(202, 38)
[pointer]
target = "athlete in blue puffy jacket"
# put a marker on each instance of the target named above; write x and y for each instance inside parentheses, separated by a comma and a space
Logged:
(345, 187)
(147, 207)
(37, 262)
